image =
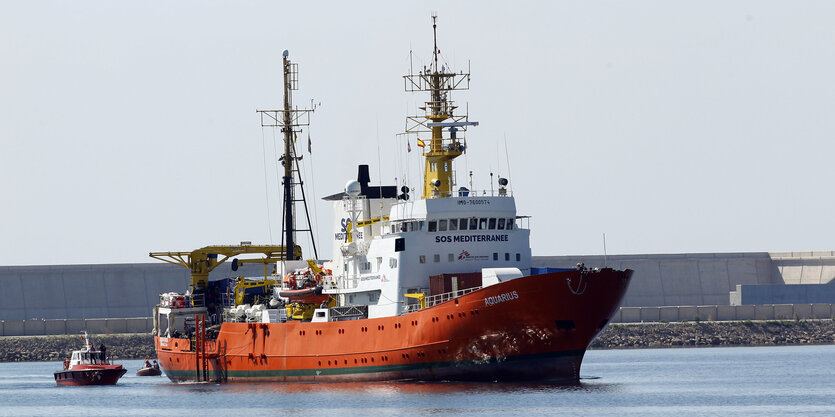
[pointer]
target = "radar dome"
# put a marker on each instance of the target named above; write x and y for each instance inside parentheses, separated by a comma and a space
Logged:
(353, 188)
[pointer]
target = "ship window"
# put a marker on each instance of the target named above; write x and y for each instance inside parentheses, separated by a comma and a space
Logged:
(462, 224)
(506, 256)
(509, 224)
(482, 223)
(453, 224)
(442, 225)
(451, 257)
(433, 226)
(373, 297)
(437, 258)
(500, 226)
(351, 298)
(399, 244)
(492, 224)
(419, 225)
(392, 263)
(518, 257)
(422, 259)
(495, 256)
(473, 223)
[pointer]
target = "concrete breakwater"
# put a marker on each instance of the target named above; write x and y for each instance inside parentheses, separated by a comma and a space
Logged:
(738, 333)
(615, 336)
(56, 348)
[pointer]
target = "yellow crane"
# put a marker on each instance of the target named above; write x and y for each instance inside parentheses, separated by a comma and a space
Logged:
(202, 261)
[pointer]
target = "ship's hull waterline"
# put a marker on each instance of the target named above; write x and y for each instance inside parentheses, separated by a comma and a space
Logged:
(533, 328)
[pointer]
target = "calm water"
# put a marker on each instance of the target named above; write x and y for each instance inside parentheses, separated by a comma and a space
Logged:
(648, 382)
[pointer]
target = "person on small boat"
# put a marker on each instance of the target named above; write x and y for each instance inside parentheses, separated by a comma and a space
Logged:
(147, 364)
(156, 364)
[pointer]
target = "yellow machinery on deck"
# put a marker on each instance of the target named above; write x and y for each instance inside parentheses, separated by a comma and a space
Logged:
(204, 260)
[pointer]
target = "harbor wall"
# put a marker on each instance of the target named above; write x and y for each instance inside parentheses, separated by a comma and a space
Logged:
(56, 292)
(673, 314)
(41, 327)
(669, 314)
(94, 291)
(698, 279)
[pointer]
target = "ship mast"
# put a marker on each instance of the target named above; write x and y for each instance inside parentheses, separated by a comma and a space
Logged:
(439, 114)
(290, 120)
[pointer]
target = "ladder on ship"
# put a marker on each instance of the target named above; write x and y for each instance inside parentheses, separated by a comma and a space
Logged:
(201, 360)
(300, 183)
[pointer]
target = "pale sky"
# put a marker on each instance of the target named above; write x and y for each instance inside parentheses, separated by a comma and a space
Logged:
(672, 127)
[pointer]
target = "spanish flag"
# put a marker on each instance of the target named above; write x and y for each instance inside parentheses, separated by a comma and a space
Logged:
(420, 143)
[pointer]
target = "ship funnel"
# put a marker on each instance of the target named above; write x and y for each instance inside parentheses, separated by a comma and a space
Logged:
(363, 177)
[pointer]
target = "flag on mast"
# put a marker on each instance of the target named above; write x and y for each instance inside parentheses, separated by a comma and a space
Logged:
(420, 143)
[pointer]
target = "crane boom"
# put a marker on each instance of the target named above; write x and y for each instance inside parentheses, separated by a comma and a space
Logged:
(202, 261)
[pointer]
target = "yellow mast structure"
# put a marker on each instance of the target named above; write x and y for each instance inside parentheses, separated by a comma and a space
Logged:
(439, 114)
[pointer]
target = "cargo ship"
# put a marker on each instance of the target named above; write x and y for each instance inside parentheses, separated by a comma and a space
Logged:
(439, 287)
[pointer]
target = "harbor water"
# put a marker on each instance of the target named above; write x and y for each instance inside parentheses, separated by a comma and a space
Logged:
(751, 381)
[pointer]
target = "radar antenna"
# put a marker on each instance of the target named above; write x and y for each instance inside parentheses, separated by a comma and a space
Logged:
(439, 114)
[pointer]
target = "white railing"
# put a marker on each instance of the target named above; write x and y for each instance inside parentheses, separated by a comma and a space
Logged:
(438, 299)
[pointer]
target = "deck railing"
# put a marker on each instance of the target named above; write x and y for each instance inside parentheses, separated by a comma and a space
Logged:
(438, 299)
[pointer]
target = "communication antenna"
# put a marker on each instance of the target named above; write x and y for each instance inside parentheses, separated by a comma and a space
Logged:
(491, 183)
(605, 261)
(290, 120)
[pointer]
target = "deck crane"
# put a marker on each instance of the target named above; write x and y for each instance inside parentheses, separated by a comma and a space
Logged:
(204, 260)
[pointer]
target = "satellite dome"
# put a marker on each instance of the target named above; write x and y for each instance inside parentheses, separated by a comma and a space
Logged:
(353, 188)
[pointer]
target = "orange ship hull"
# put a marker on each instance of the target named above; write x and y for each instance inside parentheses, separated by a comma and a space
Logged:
(530, 328)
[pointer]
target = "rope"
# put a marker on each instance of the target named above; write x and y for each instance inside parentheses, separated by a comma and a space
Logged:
(266, 184)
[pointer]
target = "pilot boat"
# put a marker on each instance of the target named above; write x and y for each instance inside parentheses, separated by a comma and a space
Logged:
(89, 366)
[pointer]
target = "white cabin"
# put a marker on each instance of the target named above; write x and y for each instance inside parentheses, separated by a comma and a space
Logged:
(384, 261)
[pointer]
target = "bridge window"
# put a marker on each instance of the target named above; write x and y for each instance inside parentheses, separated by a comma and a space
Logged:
(500, 225)
(482, 223)
(462, 224)
(453, 224)
(492, 224)
(442, 225)
(509, 224)
(433, 226)
(473, 223)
